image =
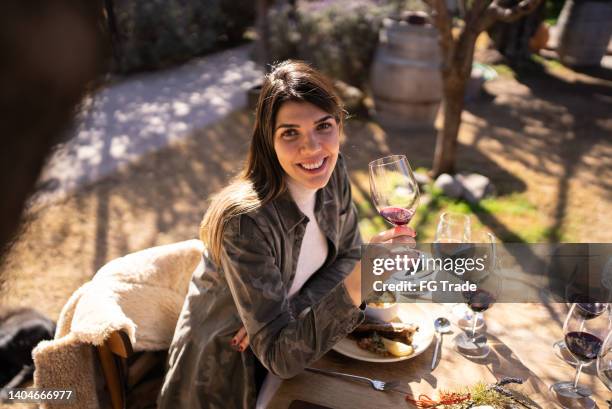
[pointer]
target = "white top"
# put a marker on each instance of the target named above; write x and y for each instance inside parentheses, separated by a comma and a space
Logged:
(313, 253)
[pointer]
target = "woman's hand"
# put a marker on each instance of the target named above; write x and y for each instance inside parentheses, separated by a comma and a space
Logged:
(399, 234)
(240, 342)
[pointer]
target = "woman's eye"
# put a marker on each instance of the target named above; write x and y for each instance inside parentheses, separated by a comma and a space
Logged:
(289, 134)
(324, 125)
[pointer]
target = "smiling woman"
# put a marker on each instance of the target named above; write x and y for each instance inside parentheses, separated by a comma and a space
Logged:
(282, 284)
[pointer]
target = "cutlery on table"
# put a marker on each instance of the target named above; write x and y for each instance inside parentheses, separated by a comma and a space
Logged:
(442, 326)
(375, 383)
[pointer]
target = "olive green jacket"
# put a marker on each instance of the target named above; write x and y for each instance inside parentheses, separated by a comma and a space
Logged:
(250, 289)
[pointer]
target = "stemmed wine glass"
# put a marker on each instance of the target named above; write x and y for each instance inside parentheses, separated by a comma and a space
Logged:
(393, 188)
(454, 228)
(604, 364)
(453, 235)
(584, 339)
(588, 312)
(480, 299)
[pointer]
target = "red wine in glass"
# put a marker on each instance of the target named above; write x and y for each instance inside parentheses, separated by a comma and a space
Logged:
(393, 189)
(591, 310)
(586, 309)
(479, 300)
(397, 215)
(583, 345)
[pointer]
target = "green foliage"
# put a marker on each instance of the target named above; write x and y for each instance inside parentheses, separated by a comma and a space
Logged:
(338, 37)
(523, 221)
(155, 33)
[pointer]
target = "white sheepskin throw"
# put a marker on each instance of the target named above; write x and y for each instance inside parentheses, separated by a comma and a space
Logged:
(141, 294)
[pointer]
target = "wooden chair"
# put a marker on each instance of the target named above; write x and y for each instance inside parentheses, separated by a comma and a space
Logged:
(113, 355)
(123, 369)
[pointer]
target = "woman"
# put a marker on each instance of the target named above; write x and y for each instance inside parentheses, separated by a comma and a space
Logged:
(285, 237)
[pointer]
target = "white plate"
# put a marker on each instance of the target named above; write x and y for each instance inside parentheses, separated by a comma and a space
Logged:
(409, 313)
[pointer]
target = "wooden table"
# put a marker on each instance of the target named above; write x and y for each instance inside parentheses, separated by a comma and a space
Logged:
(520, 336)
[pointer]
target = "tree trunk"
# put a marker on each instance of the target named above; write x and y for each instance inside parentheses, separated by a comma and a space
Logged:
(455, 77)
(109, 8)
(263, 34)
(446, 144)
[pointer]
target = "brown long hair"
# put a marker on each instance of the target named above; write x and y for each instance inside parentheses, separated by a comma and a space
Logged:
(262, 178)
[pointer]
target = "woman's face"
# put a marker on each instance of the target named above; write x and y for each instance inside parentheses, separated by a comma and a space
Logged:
(306, 141)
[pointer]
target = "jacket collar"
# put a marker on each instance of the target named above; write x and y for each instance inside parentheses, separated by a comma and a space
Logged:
(291, 215)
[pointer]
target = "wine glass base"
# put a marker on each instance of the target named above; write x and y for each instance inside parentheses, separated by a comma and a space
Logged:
(470, 347)
(566, 393)
(561, 352)
(464, 317)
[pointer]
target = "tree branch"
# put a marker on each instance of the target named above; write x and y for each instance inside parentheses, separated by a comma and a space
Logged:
(443, 22)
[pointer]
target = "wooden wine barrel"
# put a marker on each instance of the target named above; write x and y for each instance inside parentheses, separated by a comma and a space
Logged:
(405, 77)
(585, 29)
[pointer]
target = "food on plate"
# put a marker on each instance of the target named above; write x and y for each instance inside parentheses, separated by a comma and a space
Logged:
(397, 348)
(381, 300)
(385, 338)
(382, 306)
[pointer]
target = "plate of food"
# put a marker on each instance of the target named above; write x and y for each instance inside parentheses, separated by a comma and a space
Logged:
(405, 336)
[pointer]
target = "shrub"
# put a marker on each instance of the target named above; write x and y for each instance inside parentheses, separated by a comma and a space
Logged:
(155, 33)
(338, 37)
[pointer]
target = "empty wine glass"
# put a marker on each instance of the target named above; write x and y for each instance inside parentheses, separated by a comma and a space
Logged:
(393, 188)
(454, 228)
(584, 339)
(604, 364)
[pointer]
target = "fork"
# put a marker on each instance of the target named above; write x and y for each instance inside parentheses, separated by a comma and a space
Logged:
(375, 383)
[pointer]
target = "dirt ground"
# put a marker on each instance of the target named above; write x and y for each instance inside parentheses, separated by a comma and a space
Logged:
(545, 135)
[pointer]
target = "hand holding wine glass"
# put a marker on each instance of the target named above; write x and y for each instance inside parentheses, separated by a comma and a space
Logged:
(394, 190)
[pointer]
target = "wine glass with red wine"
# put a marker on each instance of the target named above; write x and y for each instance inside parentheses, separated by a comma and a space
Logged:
(470, 343)
(584, 340)
(394, 190)
(588, 311)
(604, 364)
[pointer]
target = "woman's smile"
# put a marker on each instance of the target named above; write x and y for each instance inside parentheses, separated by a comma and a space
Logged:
(313, 166)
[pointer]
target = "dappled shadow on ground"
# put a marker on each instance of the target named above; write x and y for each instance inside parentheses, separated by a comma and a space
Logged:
(127, 119)
(367, 141)
(158, 200)
(557, 128)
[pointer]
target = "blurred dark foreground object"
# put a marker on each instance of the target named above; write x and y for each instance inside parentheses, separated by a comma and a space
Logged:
(20, 331)
(50, 52)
